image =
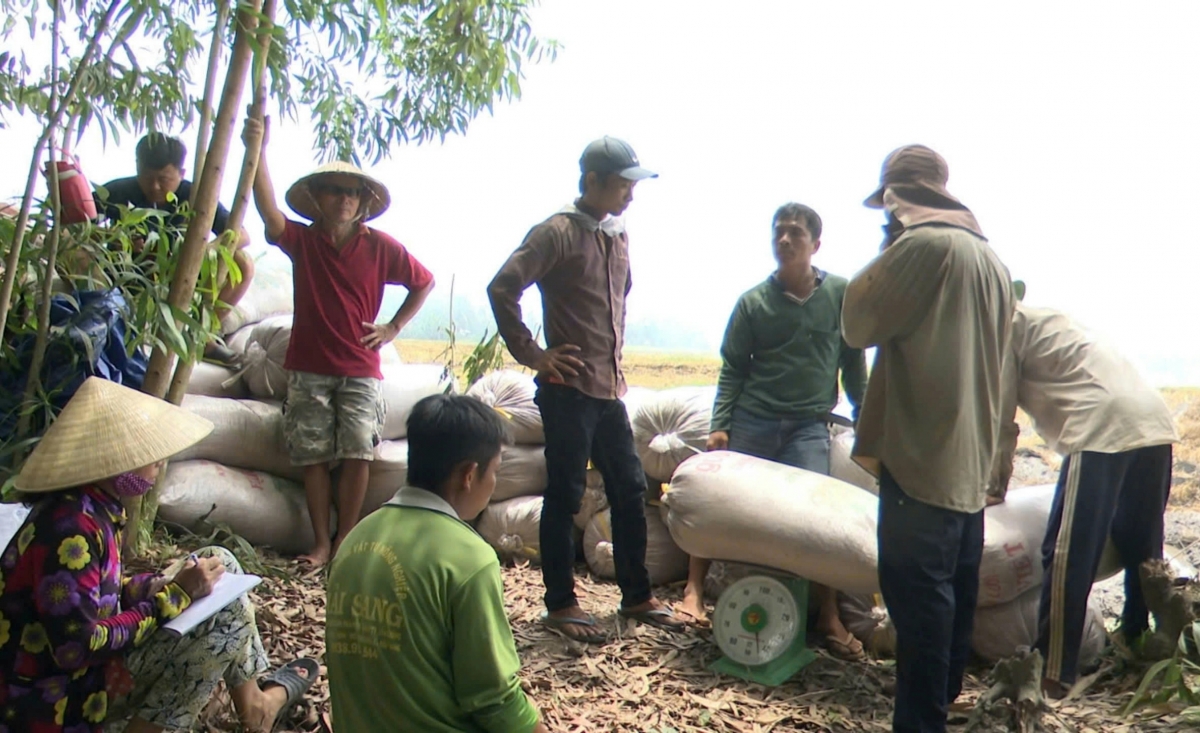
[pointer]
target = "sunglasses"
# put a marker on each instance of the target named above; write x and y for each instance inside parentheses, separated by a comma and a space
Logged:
(335, 190)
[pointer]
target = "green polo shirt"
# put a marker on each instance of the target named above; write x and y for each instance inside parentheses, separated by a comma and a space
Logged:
(781, 356)
(416, 637)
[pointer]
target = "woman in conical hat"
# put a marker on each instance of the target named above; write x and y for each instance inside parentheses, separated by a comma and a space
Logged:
(78, 641)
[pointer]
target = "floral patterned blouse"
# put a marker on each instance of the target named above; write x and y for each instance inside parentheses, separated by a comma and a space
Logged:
(67, 616)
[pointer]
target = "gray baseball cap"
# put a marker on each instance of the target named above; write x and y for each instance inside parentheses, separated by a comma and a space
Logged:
(610, 155)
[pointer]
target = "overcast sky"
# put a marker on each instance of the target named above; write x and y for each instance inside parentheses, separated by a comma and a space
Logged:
(1071, 129)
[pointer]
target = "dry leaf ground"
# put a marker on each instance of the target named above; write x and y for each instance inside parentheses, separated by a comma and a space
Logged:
(649, 680)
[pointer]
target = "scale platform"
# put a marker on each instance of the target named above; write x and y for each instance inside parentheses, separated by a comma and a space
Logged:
(760, 625)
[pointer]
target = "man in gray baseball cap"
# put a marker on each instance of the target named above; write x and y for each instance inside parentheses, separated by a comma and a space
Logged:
(579, 259)
(938, 305)
(610, 155)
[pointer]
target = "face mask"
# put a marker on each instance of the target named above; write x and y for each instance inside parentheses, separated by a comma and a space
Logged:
(131, 484)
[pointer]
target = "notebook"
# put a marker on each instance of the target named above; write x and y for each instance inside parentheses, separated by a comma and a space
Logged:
(228, 589)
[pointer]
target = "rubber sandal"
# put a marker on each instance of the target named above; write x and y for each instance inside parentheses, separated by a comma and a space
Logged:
(654, 617)
(692, 620)
(296, 686)
(848, 651)
(558, 623)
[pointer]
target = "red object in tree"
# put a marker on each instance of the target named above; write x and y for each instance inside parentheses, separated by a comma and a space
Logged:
(74, 191)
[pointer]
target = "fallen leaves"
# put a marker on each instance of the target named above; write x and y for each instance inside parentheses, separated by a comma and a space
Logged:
(645, 679)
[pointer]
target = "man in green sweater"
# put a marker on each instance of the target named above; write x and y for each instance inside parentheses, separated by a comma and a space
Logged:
(416, 637)
(780, 360)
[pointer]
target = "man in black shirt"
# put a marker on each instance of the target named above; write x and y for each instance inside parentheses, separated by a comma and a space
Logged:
(159, 175)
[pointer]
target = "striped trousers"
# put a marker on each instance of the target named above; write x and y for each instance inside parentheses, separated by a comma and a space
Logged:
(1100, 495)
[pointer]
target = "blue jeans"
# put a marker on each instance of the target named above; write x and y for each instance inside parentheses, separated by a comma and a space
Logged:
(929, 574)
(800, 443)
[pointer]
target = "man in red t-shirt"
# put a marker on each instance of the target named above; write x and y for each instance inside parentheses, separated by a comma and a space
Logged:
(334, 409)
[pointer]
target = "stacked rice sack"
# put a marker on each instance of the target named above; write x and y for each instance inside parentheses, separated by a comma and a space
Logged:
(732, 507)
(240, 474)
(511, 523)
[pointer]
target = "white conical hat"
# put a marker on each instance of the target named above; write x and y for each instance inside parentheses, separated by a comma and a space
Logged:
(106, 430)
(300, 196)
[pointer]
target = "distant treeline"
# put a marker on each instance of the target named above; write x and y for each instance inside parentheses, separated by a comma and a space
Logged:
(472, 316)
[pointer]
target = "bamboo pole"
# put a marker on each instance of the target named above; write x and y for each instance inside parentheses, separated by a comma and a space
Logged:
(195, 243)
(210, 90)
(33, 381)
(54, 115)
(241, 200)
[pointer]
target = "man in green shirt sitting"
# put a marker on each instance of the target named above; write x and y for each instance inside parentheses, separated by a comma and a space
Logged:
(780, 360)
(416, 635)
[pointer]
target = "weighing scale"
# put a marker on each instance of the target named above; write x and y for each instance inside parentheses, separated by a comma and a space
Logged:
(761, 625)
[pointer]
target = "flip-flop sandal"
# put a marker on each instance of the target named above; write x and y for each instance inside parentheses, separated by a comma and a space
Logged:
(653, 617)
(692, 620)
(848, 651)
(290, 680)
(592, 635)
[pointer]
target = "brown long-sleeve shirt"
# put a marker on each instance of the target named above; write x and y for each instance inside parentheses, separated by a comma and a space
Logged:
(581, 267)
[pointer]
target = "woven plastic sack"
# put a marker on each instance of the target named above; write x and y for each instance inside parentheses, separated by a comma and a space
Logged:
(729, 506)
(246, 434)
(671, 427)
(264, 356)
(511, 393)
(522, 472)
(211, 380)
(512, 526)
(264, 509)
(665, 562)
(843, 467)
(1002, 629)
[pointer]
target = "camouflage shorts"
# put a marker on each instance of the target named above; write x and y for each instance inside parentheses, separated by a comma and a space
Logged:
(332, 418)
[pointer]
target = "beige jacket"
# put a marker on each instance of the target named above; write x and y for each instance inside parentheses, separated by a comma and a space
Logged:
(938, 303)
(1081, 393)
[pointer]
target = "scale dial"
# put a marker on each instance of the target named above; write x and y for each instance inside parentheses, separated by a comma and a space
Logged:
(756, 620)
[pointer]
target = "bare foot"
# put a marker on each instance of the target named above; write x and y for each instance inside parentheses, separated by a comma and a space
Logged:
(259, 717)
(318, 557)
(691, 608)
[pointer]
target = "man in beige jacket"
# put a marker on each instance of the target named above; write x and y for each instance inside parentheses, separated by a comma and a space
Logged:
(937, 302)
(1115, 434)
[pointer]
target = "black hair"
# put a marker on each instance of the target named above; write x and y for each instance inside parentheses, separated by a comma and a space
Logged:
(156, 151)
(445, 431)
(800, 212)
(602, 177)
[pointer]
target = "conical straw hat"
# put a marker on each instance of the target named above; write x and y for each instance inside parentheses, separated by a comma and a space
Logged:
(302, 199)
(106, 430)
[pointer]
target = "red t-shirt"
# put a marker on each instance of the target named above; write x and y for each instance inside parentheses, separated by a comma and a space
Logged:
(336, 291)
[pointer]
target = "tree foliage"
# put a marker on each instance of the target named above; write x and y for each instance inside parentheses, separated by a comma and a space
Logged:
(370, 75)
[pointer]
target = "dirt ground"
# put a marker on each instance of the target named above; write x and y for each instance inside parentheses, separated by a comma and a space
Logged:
(649, 680)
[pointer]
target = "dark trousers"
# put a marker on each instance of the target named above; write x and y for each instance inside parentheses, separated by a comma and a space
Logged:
(929, 574)
(1100, 495)
(579, 427)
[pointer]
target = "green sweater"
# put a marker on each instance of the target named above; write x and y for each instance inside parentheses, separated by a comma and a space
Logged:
(780, 357)
(416, 636)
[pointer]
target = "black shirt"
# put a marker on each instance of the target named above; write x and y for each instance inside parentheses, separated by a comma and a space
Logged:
(127, 192)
